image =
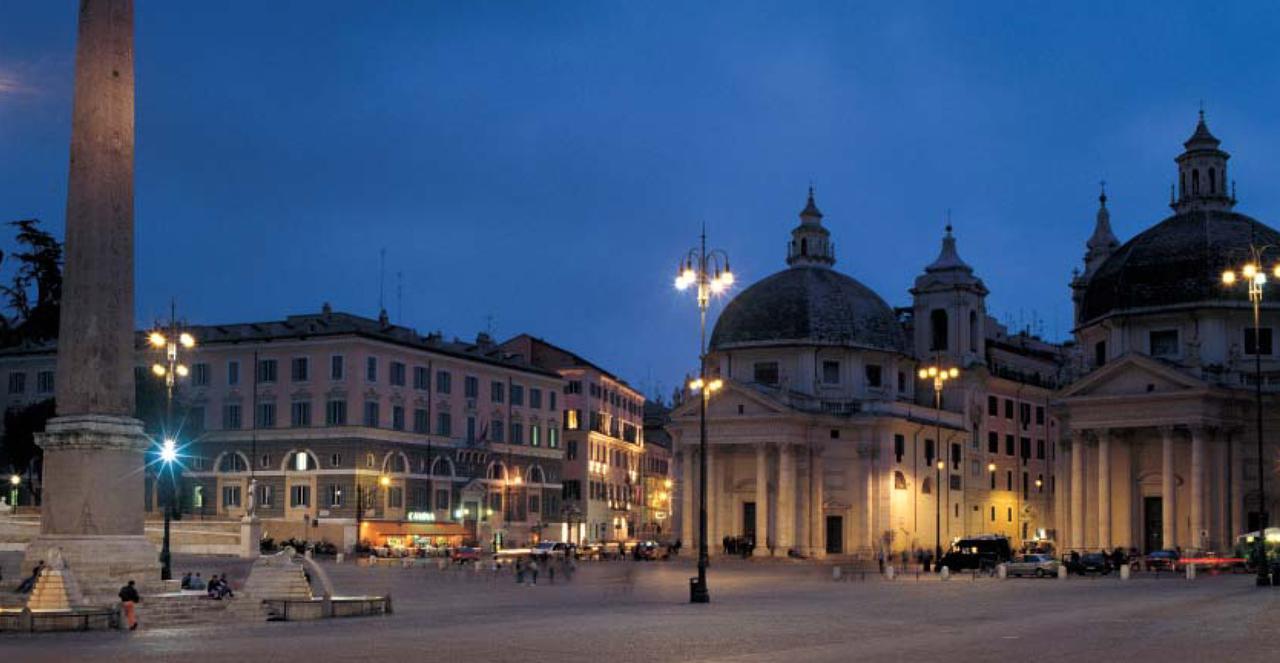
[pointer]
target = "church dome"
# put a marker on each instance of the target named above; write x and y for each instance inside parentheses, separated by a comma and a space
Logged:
(808, 305)
(1175, 263)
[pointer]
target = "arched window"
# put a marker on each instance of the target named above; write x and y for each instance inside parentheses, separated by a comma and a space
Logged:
(1213, 181)
(536, 475)
(1195, 181)
(442, 467)
(899, 480)
(301, 461)
(973, 331)
(395, 463)
(938, 329)
(804, 246)
(232, 462)
(926, 486)
(497, 471)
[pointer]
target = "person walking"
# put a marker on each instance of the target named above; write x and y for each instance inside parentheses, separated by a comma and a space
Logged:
(129, 598)
(30, 583)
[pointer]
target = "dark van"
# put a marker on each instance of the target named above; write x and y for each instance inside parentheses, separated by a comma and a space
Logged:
(979, 552)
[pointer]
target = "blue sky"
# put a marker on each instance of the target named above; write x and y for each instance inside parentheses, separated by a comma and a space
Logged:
(546, 163)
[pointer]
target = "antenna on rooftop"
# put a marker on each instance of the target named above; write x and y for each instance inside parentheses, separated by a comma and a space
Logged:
(382, 278)
(400, 297)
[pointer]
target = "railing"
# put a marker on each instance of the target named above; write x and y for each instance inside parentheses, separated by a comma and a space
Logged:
(81, 619)
(285, 610)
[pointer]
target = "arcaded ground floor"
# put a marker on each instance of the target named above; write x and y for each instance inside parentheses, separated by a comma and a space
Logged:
(761, 611)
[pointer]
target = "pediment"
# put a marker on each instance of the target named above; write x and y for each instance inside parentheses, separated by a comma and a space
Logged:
(735, 399)
(1133, 374)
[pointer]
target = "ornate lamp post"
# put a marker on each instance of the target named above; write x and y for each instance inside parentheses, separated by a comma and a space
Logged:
(940, 376)
(170, 370)
(1255, 278)
(709, 272)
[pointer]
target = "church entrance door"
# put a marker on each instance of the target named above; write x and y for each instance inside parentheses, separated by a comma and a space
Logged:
(749, 521)
(835, 535)
(1152, 524)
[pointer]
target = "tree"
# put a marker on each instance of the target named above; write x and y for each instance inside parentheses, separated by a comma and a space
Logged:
(39, 268)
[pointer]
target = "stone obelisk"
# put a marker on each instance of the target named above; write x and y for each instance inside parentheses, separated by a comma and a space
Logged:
(94, 449)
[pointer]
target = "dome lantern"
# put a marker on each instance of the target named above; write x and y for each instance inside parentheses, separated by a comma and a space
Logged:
(810, 244)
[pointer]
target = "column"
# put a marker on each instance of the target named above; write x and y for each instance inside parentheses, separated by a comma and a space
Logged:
(1168, 516)
(1197, 487)
(1104, 489)
(1077, 489)
(786, 498)
(688, 509)
(762, 501)
(817, 524)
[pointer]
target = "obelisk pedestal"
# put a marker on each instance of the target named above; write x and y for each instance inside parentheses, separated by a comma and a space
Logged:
(92, 508)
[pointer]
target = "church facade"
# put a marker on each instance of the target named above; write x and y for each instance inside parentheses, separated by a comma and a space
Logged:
(1162, 423)
(825, 440)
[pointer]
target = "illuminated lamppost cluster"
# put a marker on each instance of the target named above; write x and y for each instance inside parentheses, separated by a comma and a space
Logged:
(940, 376)
(171, 369)
(709, 272)
(1255, 277)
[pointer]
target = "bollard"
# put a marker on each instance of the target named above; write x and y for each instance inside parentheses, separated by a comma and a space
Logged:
(1062, 572)
(1125, 571)
(1002, 571)
(888, 572)
(945, 573)
(339, 557)
(835, 573)
(1191, 572)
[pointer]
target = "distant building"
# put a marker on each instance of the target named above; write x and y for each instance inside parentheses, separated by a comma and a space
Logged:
(826, 442)
(347, 428)
(604, 496)
(1160, 440)
(659, 519)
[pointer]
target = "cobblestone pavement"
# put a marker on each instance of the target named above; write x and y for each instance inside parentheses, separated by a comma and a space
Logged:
(770, 611)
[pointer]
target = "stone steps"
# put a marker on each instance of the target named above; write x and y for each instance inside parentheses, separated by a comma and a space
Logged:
(170, 610)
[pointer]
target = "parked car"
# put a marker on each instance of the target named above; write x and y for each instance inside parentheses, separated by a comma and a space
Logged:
(1091, 563)
(1162, 560)
(979, 552)
(466, 554)
(548, 549)
(1036, 565)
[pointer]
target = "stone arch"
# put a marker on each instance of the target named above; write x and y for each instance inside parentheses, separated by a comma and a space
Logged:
(391, 466)
(535, 474)
(290, 463)
(227, 455)
(443, 461)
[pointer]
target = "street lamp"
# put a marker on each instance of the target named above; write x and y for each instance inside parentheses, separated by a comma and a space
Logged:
(168, 456)
(14, 482)
(709, 272)
(1255, 277)
(940, 376)
(170, 370)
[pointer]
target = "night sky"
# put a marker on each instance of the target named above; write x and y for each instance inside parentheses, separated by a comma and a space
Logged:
(540, 167)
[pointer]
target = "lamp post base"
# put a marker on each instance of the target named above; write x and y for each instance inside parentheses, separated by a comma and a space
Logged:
(698, 591)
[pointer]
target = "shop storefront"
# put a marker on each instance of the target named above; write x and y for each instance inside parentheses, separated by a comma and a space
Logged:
(411, 536)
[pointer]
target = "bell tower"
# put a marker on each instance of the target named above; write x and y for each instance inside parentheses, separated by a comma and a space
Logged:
(950, 309)
(1100, 246)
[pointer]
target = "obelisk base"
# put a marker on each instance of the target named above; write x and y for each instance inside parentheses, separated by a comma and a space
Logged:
(93, 505)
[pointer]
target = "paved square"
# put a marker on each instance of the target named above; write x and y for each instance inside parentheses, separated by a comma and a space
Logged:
(628, 611)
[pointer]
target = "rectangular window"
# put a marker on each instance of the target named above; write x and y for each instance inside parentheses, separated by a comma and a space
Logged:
(471, 387)
(899, 446)
(1257, 343)
(200, 375)
(553, 438)
(444, 424)
(44, 382)
(397, 374)
(831, 372)
(534, 505)
(572, 419)
(993, 406)
(17, 383)
(517, 433)
(573, 387)
(335, 413)
(928, 452)
(571, 450)
(1039, 415)
(765, 372)
(1026, 447)
(1008, 480)
(496, 431)
(955, 482)
(300, 496)
(1163, 342)
(517, 394)
(266, 494)
(534, 438)
(300, 369)
(993, 442)
(1008, 445)
(1039, 449)
(371, 369)
(195, 418)
(231, 416)
(1008, 408)
(267, 369)
(1099, 353)
(397, 417)
(335, 460)
(395, 497)
(551, 400)
(471, 429)
(873, 376)
(333, 495)
(300, 414)
(266, 415)
(337, 367)
(535, 398)
(371, 414)
(444, 382)
(233, 373)
(420, 422)
(420, 378)
(902, 382)
(497, 391)
(231, 496)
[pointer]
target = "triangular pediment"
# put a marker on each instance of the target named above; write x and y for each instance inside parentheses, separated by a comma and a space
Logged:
(1132, 374)
(735, 399)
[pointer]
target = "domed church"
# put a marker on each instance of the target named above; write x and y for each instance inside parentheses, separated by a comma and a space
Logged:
(825, 442)
(1161, 450)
